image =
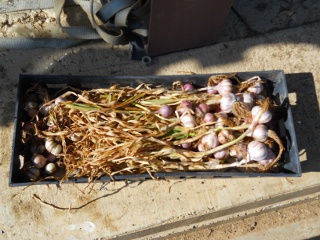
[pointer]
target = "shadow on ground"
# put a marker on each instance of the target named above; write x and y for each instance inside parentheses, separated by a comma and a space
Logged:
(306, 117)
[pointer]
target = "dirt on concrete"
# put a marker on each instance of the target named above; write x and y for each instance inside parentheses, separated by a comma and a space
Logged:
(262, 225)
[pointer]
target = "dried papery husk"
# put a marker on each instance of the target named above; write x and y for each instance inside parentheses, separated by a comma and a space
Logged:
(215, 79)
(239, 150)
(249, 83)
(240, 110)
(223, 118)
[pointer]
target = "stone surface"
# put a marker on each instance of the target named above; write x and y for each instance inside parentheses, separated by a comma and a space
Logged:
(130, 209)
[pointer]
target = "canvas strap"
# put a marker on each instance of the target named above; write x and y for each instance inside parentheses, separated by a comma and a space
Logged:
(116, 20)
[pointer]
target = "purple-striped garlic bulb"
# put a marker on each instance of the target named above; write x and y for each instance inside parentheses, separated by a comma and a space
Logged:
(256, 88)
(224, 153)
(208, 141)
(226, 102)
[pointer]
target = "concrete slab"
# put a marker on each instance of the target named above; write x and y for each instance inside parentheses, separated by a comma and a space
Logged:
(266, 16)
(157, 208)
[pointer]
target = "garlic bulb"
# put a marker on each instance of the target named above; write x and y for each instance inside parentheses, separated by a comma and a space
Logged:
(31, 173)
(201, 147)
(224, 153)
(32, 108)
(52, 146)
(209, 117)
(226, 102)
(210, 141)
(39, 160)
(188, 87)
(247, 100)
(165, 111)
(50, 157)
(212, 90)
(256, 88)
(37, 147)
(260, 133)
(269, 158)
(186, 145)
(76, 136)
(59, 100)
(225, 136)
(257, 151)
(50, 168)
(32, 112)
(225, 86)
(188, 120)
(201, 109)
(264, 118)
(45, 109)
(184, 107)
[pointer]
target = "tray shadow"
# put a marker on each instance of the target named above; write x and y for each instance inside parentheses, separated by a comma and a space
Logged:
(306, 118)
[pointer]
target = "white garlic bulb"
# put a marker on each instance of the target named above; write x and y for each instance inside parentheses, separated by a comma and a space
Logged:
(50, 168)
(247, 99)
(269, 159)
(210, 141)
(257, 151)
(52, 146)
(260, 133)
(188, 120)
(260, 118)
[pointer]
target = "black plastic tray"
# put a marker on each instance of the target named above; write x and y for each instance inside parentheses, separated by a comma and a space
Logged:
(290, 168)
